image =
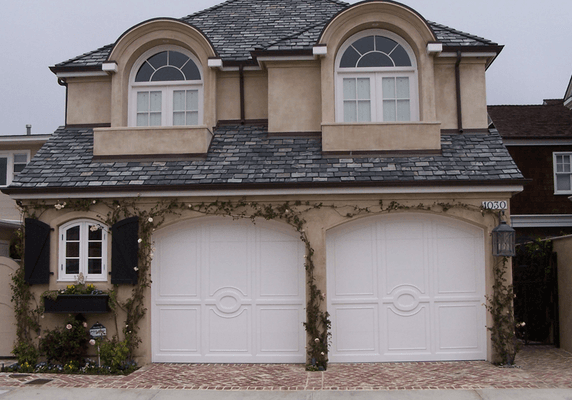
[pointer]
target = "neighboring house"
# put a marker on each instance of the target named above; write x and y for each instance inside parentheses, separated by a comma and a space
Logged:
(15, 153)
(270, 102)
(539, 139)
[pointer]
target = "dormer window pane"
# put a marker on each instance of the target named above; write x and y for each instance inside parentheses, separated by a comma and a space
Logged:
(158, 60)
(400, 57)
(167, 74)
(350, 58)
(375, 59)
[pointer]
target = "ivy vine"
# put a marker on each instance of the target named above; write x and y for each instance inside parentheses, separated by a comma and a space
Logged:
(317, 323)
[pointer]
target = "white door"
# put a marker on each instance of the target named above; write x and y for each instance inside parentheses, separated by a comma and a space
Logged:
(406, 287)
(228, 291)
(7, 316)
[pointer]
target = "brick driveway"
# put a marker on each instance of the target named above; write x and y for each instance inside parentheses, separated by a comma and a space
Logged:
(540, 367)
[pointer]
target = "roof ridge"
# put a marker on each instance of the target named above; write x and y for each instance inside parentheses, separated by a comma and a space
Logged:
(107, 46)
(208, 9)
(466, 34)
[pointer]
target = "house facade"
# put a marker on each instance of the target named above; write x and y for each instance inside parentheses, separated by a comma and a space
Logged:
(539, 139)
(313, 152)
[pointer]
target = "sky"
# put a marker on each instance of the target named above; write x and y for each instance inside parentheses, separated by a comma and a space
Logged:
(535, 64)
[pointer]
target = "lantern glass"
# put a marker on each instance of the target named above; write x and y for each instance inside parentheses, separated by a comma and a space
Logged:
(504, 240)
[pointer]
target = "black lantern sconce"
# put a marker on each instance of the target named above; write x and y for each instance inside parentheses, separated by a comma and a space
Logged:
(504, 240)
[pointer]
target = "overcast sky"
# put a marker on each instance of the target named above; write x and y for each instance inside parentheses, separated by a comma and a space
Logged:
(535, 64)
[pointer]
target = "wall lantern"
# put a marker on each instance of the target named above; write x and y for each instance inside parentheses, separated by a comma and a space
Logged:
(504, 240)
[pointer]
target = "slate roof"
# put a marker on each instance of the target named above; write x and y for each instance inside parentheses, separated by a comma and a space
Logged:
(550, 120)
(238, 27)
(242, 156)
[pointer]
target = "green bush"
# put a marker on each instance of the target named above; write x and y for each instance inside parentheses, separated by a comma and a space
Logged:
(66, 344)
(114, 354)
(26, 353)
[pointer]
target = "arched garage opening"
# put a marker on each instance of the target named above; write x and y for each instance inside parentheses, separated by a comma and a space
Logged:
(406, 287)
(228, 291)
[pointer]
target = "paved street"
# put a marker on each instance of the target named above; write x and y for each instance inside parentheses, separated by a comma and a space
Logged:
(546, 370)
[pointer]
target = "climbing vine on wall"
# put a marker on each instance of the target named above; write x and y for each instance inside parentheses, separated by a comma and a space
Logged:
(317, 323)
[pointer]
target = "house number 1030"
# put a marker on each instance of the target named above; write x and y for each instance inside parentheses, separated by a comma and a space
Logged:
(495, 205)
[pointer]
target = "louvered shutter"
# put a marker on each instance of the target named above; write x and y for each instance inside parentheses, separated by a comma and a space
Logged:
(124, 251)
(36, 252)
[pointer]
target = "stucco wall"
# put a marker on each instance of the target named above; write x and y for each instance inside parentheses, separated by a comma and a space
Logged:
(255, 95)
(89, 100)
(294, 103)
(563, 248)
(319, 221)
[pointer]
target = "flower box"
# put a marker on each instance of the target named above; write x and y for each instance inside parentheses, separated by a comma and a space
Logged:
(77, 303)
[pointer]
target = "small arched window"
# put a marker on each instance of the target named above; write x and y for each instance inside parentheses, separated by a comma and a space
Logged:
(376, 79)
(166, 89)
(83, 250)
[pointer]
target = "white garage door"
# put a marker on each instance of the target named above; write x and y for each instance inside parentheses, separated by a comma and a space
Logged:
(228, 291)
(406, 287)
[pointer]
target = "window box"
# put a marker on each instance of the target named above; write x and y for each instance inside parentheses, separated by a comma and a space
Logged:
(77, 303)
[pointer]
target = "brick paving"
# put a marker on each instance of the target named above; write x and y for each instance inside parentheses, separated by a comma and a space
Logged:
(538, 367)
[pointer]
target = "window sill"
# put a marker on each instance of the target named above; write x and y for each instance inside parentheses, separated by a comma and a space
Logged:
(381, 137)
(133, 142)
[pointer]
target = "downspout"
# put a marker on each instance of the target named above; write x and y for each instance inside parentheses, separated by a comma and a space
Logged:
(62, 82)
(242, 114)
(458, 84)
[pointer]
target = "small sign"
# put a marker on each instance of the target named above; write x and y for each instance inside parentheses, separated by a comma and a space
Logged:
(495, 205)
(97, 330)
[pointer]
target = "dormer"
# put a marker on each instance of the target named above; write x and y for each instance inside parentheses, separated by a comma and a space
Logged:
(162, 93)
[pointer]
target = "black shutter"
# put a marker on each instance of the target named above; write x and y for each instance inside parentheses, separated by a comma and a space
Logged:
(37, 252)
(124, 251)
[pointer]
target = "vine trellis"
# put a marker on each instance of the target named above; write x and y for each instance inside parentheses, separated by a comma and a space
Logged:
(317, 323)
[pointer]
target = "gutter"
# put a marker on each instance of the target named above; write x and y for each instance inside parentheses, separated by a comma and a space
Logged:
(458, 90)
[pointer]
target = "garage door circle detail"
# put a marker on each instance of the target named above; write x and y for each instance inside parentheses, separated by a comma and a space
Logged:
(227, 300)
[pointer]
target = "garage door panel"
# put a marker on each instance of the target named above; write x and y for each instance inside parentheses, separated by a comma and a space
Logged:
(279, 276)
(184, 339)
(229, 333)
(279, 329)
(456, 266)
(407, 331)
(355, 278)
(458, 327)
(176, 279)
(404, 264)
(359, 334)
(228, 266)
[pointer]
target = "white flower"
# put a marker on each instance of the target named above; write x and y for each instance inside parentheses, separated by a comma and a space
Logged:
(94, 228)
(322, 353)
(151, 255)
(139, 240)
(92, 342)
(39, 337)
(150, 219)
(68, 326)
(317, 340)
(58, 206)
(42, 316)
(136, 269)
(85, 324)
(95, 201)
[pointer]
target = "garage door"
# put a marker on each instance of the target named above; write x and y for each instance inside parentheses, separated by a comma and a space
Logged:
(228, 291)
(7, 316)
(406, 287)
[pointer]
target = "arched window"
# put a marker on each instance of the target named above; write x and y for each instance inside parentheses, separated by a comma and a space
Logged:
(166, 89)
(83, 249)
(376, 79)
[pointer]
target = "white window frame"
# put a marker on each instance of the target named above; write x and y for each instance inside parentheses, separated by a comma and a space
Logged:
(166, 88)
(556, 173)
(376, 76)
(84, 225)
(10, 164)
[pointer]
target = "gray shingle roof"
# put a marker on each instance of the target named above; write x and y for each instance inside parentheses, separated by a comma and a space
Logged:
(242, 155)
(237, 27)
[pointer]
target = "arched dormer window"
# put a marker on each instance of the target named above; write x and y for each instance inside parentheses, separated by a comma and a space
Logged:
(166, 89)
(376, 79)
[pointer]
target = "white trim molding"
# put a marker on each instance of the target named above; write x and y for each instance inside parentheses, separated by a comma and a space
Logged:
(512, 189)
(541, 220)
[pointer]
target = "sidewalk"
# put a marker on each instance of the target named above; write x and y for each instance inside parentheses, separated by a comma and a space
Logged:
(540, 368)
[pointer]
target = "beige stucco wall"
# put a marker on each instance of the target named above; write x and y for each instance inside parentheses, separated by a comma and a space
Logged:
(473, 92)
(7, 318)
(89, 100)
(255, 95)
(319, 221)
(563, 248)
(294, 102)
